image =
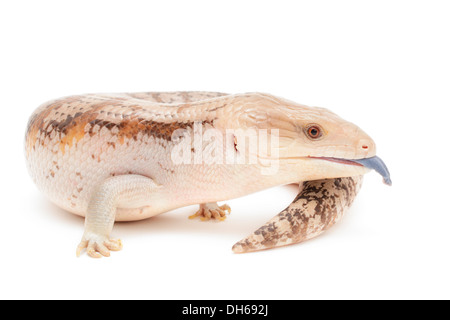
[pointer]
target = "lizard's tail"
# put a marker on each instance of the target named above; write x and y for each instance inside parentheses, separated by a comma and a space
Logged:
(318, 206)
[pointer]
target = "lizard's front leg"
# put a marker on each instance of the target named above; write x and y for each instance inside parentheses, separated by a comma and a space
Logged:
(125, 191)
(211, 210)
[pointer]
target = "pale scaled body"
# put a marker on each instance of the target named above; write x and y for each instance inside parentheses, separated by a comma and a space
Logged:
(97, 151)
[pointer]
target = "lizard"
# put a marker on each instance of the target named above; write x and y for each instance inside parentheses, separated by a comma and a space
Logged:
(116, 157)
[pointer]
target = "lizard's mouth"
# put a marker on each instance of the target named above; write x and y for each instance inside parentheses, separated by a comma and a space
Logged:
(338, 160)
(374, 163)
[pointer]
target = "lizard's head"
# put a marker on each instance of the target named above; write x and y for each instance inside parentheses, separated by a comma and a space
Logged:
(322, 144)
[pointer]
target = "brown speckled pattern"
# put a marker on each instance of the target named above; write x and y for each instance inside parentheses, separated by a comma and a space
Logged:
(126, 115)
(317, 207)
(73, 143)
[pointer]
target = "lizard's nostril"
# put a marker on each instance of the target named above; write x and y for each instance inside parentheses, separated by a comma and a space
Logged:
(365, 148)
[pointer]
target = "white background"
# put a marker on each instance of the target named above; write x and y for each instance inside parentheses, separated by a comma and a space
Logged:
(383, 65)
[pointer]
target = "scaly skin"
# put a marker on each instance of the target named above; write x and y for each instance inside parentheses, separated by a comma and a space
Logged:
(108, 156)
(319, 205)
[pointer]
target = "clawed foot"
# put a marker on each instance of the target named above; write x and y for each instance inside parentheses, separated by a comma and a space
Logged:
(98, 246)
(211, 210)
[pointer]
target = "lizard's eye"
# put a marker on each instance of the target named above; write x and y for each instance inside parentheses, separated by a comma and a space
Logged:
(313, 131)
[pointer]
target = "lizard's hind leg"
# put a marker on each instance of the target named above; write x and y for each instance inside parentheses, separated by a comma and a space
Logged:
(211, 210)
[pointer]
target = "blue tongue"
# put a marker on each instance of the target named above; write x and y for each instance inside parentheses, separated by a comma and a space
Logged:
(378, 165)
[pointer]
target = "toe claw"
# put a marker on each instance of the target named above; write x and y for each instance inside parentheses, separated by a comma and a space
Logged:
(92, 253)
(215, 214)
(81, 247)
(102, 249)
(114, 244)
(197, 214)
(96, 246)
(207, 214)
